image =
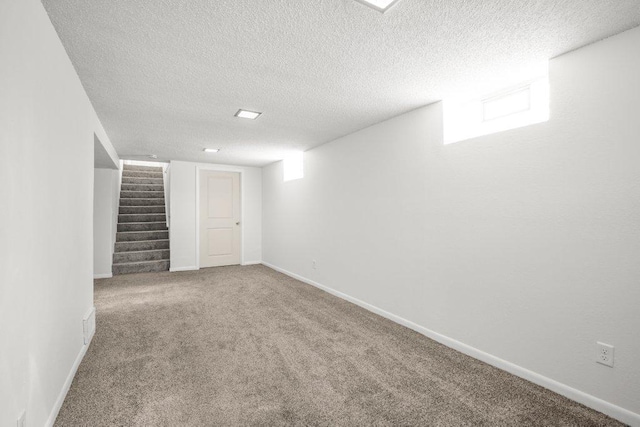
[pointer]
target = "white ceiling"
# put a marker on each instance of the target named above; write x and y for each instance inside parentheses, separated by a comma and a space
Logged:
(167, 76)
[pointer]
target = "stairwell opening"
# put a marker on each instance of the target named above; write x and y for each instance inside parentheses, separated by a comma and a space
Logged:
(142, 236)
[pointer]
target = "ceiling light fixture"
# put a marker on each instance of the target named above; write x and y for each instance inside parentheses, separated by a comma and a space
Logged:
(379, 5)
(211, 150)
(246, 114)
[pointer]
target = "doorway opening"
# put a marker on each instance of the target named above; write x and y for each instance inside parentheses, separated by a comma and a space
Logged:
(219, 226)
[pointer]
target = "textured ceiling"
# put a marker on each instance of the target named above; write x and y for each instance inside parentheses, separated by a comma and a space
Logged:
(167, 76)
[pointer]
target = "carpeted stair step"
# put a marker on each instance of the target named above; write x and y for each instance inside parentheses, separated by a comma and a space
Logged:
(141, 174)
(141, 267)
(139, 180)
(141, 194)
(127, 257)
(142, 226)
(142, 239)
(142, 168)
(131, 236)
(141, 210)
(156, 217)
(141, 202)
(142, 187)
(144, 245)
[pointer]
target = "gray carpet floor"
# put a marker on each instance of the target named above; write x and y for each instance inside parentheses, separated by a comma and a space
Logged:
(249, 346)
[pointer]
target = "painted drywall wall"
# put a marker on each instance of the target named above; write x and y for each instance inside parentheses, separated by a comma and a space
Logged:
(523, 244)
(104, 227)
(182, 222)
(166, 181)
(47, 127)
(104, 157)
(116, 203)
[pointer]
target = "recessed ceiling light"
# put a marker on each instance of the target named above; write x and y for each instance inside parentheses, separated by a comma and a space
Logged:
(211, 150)
(246, 114)
(379, 5)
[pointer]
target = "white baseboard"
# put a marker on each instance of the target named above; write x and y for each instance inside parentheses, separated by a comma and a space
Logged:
(191, 268)
(66, 386)
(593, 402)
(103, 276)
(197, 268)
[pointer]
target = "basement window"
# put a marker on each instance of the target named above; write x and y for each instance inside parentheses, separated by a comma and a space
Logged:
(293, 167)
(379, 5)
(515, 107)
(513, 102)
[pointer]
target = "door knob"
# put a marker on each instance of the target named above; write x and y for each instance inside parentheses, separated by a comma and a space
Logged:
(238, 223)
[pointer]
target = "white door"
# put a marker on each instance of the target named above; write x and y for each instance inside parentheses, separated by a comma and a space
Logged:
(219, 218)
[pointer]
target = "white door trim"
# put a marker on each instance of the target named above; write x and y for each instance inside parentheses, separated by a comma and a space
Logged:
(219, 168)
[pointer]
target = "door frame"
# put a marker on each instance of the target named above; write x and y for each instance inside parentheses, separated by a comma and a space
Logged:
(219, 168)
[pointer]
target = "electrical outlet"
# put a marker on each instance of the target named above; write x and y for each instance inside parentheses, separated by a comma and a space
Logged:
(22, 421)
(313, 264)
(605, 354)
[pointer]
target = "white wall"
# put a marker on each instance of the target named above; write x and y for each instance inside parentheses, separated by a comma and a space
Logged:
(47, 128)
(183, 227)
(116, 203)
(105, 199)
(524, 244)
(166, 181)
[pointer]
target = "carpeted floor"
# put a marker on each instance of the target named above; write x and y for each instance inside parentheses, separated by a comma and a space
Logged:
(249, 346)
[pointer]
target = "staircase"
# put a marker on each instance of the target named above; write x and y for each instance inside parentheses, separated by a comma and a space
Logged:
(142, 240)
